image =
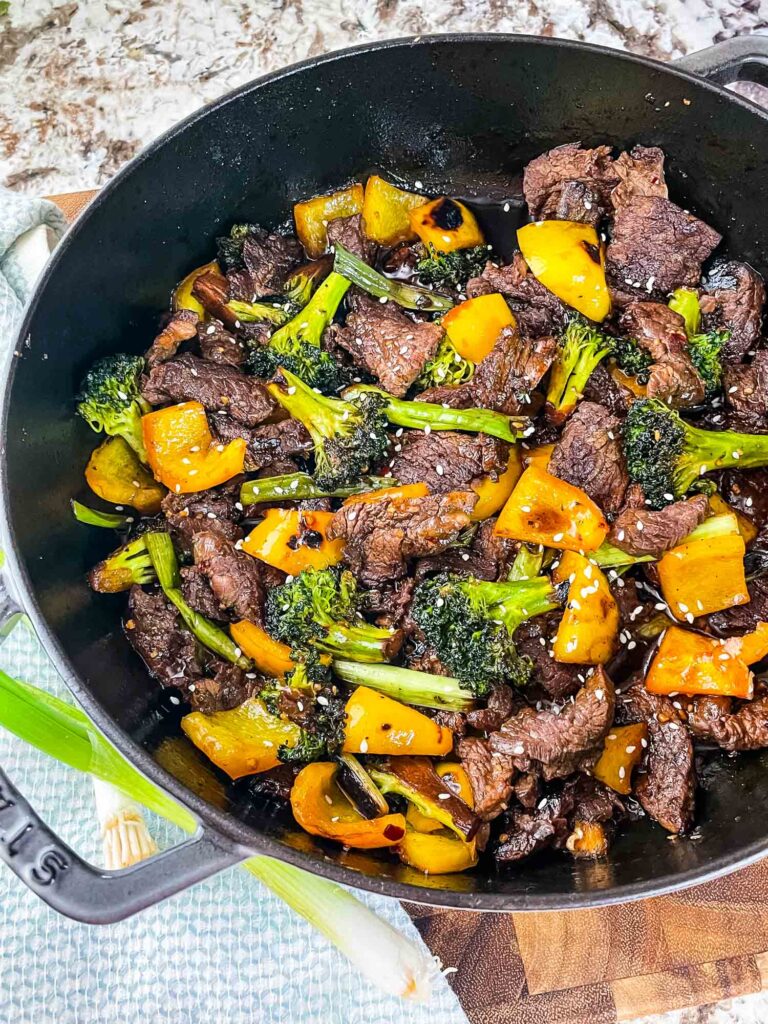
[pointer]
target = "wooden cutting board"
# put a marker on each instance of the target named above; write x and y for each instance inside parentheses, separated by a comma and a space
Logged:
(597, 966)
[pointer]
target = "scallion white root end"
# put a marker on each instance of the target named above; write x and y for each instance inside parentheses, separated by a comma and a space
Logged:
(124, 831)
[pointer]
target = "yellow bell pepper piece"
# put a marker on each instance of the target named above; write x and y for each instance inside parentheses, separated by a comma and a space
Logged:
(437, 854)
(279, 540)
(268, 655)
(704, 576)
(589, 629)
(473, 327)
(493, 494)
(538, 456)
(312, 217)
(622, 750)
(385, 212)
(377, 724)
(567, 258)
(182, 296)
(697, 665)
(720, 506)
(446, 224)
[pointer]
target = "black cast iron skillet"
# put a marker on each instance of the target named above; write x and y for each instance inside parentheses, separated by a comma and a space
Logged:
(462, 114)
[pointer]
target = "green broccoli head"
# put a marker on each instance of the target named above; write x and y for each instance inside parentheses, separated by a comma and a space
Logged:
(706, 352)
(471, 623)
(581, 349)
(667, 456)
(446, 368)
(631, 358)
(110, 399)
(318, 611)
(229, 250)
(306, 698)
(350, 437)
(453, 269)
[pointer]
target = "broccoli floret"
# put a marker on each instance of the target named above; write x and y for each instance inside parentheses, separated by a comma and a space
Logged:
(453, 269)
(349, 437)
(446, 367)
(276, 314)
(631, 358)
(306, 699)
(706, 352)
(110, 399)
(318, 611)
(229, 250)
(302, 282)
(470, 624)
(581, 349)
(119, 571)
(297, 346)
(667, 456)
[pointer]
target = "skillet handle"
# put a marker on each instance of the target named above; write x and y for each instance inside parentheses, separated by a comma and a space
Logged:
(72, 886)
(737, 59)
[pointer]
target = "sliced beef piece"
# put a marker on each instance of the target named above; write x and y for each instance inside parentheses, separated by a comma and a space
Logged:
(213, 291)
(385, 342)
(456, 721)
(501, 705)
(747, 492)
(644, 532)
(549, 176)
(717, 720)
(274, 784)
(197, 592)
(606, 391)
(424, 659)
(213, 510)
(577, 201)
(218, 388)
(746, 394)
(380, 536)
(446, 460)
(558, 744)
(154, 630)
(487, 557)
(655, 327)
(269, 259)
(554, 678)
(349, 232)
(527, 790)
(676, 381)
(656, 247)
(224, 686)
(234, 576)
(589, 455)
(390, 604)
(217, 345)
(640, 173)
(592, 801)
(180, 328)
(490, 776)
(744, 618)
(538, 311)
(266, 444)
(524, 833)
(666, 787)
(733, 300)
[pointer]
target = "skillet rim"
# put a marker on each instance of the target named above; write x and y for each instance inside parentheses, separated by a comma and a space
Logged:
(221, 822)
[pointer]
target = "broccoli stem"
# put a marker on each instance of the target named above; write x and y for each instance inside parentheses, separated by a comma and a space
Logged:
(408, 296)
(252, 312)
(420, 688)
(527, 564)
(608, 556)
(708, 450)
(582, 348)
(716, 526)
(320, 414)
(521, 600)
(297, 486)
(429, 415)
(160, 548)
(360, 642)
(686, 302)
(310, 322)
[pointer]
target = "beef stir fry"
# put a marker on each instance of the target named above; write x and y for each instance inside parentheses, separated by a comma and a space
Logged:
(459, 558)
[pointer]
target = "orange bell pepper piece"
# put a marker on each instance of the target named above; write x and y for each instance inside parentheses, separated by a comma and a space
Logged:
(182, 452)
(473, 326)
(589, 629)
(321, 809)
(437, 854)
(543, 509)
(567, 258)
(622, 750)
(385, 212)
(242, 741)
(115, 474)
(268, 655)
(704, 576)
(183, 298)
(493, 494)
(747, 528)
(694, 664)
(293, 541)
(377, 724)
(751, 647)
(446, 224)
(312, 217)
(538, 456)
(402, 492)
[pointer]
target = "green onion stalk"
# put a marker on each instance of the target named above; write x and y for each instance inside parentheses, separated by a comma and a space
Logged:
(378, 951)
(409, 296)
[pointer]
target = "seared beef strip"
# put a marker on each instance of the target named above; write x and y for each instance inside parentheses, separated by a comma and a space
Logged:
(154, 630)
(212, 290)
(546, 178)
(676, 381)
(234, 575)
(180, 328)
(661, 332)
(218, 388)
(224, 686)
(500, 705)
(268, 259)
(490, 776)
(380, 536)
(744, 618)
(577, 201)
(746, 394)
(747, 492)
(488, 557)
(527, 789)
(213, 510)
(524, 833)
(196, 590)
(641, 173)
(589, 455)
(217, 345)
(592, 801)
(656, 247)
(266, 444)
(390, 604)
(644, 532)
(559, 744)
(716, 720)
(556, 679)
(537, 310)
(447, 460)
(349, 232)
(385, 342)
(666, 787)
(603, 389)
(733, 300)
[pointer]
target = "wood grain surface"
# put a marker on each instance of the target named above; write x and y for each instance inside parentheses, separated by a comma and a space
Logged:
(597, 966)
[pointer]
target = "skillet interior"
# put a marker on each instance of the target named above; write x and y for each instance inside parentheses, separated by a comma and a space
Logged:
(461, 115)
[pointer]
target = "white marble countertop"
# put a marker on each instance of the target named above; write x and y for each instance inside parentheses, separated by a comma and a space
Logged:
(84, 85)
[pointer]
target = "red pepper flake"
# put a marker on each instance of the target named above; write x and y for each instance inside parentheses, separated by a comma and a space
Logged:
(394, 833)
